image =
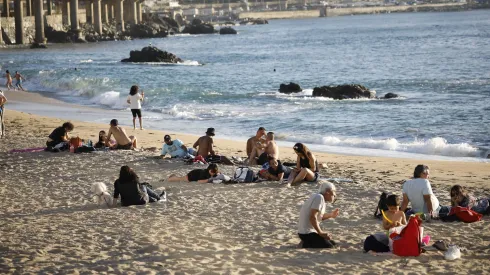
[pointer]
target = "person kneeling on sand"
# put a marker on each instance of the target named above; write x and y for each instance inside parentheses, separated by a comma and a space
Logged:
(261, 154)
(175, 148)
(60, 135)
(306, 166)
(204, 146)
(276, 171)
(123, 141)
(131, 190)
(199, 175)
(312, 212)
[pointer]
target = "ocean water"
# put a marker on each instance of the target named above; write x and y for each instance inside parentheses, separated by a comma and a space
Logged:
(438, 62)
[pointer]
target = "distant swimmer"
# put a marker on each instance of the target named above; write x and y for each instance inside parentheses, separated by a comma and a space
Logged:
(19, 78)
(274, 69)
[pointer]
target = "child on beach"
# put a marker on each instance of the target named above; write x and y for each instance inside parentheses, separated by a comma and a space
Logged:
(394, 216)
(19, 78)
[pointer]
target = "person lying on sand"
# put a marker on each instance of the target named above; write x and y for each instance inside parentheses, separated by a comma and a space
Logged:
(459, 197)
(252, 142)
(204, 146)
(276, 171)
(175, 148)
(306, 166)
(271, 149)
(132, 192)
(199, 175)
(59, 135)
(312, 213)
(123, 141)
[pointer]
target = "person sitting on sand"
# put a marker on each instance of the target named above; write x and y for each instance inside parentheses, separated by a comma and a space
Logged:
(19, 78)
(379, 242)
(132, 192)
(175, 148)
(60, 135)
(123, 141)
(276, 171)
(271, 150)
(418, 192)
(204, 146)
(199, 175)
(258, 138)
(459, 197)
(103, 141)
(312, 213)
(3, 100)
(306, 166)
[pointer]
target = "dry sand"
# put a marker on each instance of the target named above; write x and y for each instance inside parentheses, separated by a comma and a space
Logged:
(49, 222)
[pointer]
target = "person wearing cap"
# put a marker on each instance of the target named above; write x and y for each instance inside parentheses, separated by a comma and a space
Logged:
(204, 146)
(175, 148)
(312, 213)
(123, 141)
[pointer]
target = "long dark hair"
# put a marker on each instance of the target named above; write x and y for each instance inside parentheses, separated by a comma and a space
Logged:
(127, 175)
(101, 134)
(301, 148)
(133, 90)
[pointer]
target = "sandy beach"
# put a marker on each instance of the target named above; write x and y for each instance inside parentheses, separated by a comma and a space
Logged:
(50, 223)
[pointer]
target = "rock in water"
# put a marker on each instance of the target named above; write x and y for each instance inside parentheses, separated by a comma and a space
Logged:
(152, 54)
(350, 91)
(227, 30)
(198, 27)
(390, 95)
(290, 88)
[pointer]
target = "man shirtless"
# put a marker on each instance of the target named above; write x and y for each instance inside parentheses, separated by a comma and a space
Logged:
(259, 137)
(204, 146)
(19, 78)
(261, 155)
(123, 142)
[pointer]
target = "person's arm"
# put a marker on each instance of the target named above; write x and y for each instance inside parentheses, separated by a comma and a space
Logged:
(404, 202)
(428, 201)
(250, 147)
(386, 224)
(196, 143)
(298, 165)
(331, 215)
(184, 148)
(108, 140)
(128, 100)
(164, 151)
(142, 96)
(276, 178)
(316, 225)
(312, 160)
(404, 219)
(211, 144)
(202, 181)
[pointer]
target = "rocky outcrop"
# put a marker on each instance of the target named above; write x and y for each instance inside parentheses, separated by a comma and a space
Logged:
(227, 30)
(290, 88)
(36, 45)
(389, 96)
(152, 54)
(352, 91)
(198, 27)
(258, 21)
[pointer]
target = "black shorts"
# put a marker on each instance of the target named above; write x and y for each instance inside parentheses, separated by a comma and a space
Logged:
(136, 112)
(262, 159)
(128, 146)
(313, 240)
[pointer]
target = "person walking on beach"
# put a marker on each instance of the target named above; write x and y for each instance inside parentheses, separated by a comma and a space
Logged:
(123, 141)
(9, 80)
(204, 146)
(134, 100)
(312, 213)
(3, 100)
(19, 78)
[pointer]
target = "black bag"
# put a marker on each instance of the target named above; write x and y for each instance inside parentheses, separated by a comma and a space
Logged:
(84, 149)
(381, 205)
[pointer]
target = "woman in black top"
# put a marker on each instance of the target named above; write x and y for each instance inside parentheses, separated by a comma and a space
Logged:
(199, 175)
(131, 190)
(306, 166)
(60, 134)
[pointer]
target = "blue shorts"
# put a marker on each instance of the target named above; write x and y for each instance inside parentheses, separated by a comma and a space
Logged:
(18, 82)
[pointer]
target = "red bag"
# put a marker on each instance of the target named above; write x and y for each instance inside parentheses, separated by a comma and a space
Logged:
(76, 142)
(465, 214)
(407, 243)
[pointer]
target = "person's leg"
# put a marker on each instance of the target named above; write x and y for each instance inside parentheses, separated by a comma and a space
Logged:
(371, 244)
(292, 176)
(134, 141)
(153, 196)
(305, 172)
(313, 240)
(140, 119)
(22, 88)
(174, 178)
(253, 155)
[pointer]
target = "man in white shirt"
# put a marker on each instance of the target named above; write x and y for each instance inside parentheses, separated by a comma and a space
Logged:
(418, 191)
(134, 100)
(175, 148)
(312, 212)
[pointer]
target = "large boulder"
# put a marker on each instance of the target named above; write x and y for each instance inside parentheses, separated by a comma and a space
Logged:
(390, 95)
(227, 30)
(152, 54)
(290, 88)
(352, 91)
(198, 27)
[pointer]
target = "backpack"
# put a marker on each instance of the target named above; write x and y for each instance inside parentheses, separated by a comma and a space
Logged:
(464, 214)
(381, 205)
(408, 241)
(244, 175)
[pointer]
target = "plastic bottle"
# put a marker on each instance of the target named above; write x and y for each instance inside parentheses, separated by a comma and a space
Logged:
(72, 149)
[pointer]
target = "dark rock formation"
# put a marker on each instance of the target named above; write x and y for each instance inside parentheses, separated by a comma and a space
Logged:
(36, 45)
(290, 88)
(227, 30)
(257, 21)
(198, 27)
(344, 92)
(152, 54)
(390, 95)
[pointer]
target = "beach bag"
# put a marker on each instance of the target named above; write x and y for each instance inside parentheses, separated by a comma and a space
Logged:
(243, 175)
(382, 206)
(75, 142)
(406, 240)
(464, 214)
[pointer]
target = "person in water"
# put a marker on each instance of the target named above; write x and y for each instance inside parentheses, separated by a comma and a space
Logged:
(9, 80)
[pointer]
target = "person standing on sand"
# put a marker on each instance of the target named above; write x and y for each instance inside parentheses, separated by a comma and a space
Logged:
(312, 213)
(204, 146)
(19, 78)
(123, 141)
(3, 100)
(9, 80)
(134, 100)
